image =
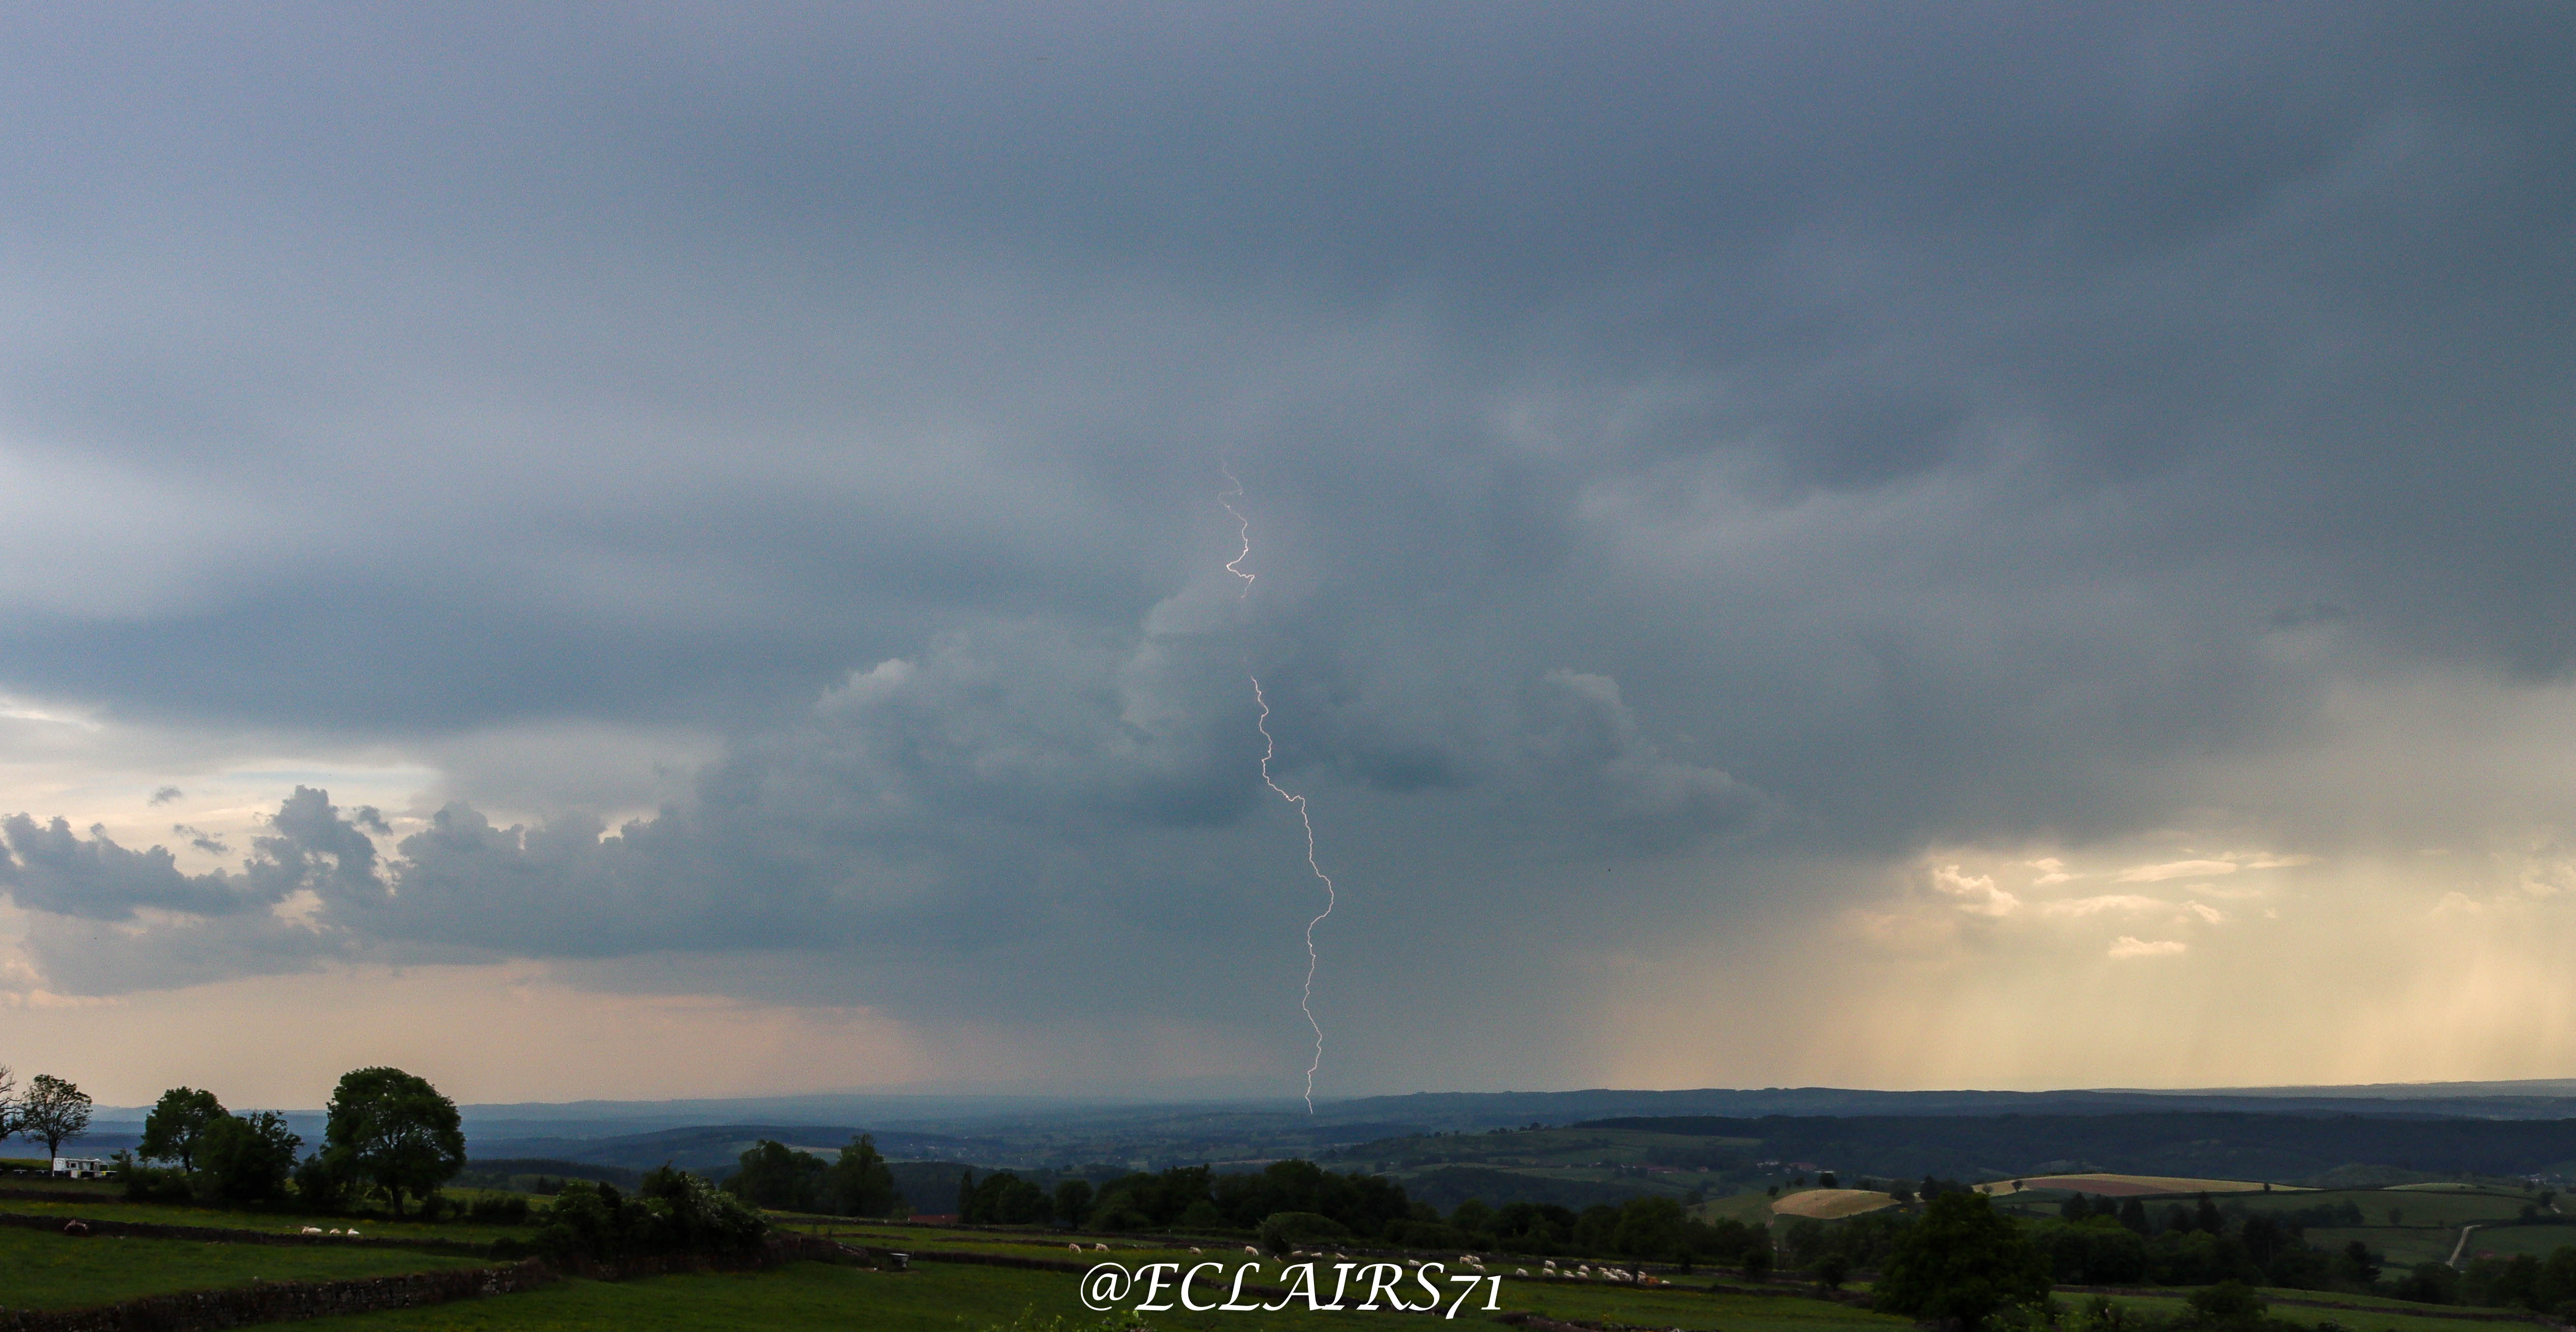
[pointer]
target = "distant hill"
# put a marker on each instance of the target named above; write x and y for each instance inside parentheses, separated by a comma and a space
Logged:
(2234, 1145)
(712, 1149)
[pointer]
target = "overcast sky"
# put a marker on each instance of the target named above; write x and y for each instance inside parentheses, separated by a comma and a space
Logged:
(647, 551)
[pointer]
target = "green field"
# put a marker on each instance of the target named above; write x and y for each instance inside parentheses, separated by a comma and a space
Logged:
(2507, 1241)
(2416, 1207)
(949, 1298)
(112, 1208)
(2376, 1315)
(47, 1271)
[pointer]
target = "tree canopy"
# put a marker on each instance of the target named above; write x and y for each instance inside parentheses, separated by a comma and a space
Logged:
(171, 1131)
(393, 1130)
(53, 1110)
(1964, 1261)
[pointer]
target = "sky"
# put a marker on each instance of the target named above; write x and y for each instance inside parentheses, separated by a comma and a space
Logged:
(678, 550)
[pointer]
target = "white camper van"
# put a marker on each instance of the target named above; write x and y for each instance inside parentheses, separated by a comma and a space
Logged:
(79, 1167)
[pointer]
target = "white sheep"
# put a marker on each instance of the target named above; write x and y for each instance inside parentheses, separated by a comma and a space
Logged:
(1100, 1248)
(1251, 1250)
(1075, 1247)
(1196, 1249)
(353, 1232)
(310, 1230)
(335, 1230)
(1520, 1271)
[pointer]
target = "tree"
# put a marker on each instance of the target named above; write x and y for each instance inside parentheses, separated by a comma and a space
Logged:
(1964, 1261)
(247, 1158)
(2229, 1304)
(393, 1130)
(1005, 1199)
(172, 1130)
(773, 1174)
(1073, 1201)
(53, 1110)
(860, 1183)
(1650, 1228)
(8, 1102)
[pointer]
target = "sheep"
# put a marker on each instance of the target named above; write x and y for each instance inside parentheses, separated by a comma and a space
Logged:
(335, 1230)
(1100, 1248)
(1251, 1250)
(1196, 1249)
(310, 1230)
(1520, 1271)
(1077, 1248)
(353, 1232)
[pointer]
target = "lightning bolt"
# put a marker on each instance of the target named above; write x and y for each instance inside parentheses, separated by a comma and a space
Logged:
(1332, 896)
(1243, 527)
(1270, 750)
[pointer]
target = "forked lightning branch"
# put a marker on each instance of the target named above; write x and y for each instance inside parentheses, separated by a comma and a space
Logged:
(1305, 819)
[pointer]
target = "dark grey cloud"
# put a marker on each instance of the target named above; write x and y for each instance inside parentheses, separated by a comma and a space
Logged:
(1706, 437)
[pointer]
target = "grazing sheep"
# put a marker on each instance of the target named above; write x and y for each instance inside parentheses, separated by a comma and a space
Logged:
(1520, 1271)
(335, 1230)
(1251, 1250)
(310, 1230)
(1196, 1249)
(353, 1232)
(1100, 1248)
(1075, 1247)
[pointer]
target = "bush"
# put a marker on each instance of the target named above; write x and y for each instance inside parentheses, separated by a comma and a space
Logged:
(155, 1184)
(498, 1209)
(672, 1212)
(1282, 1231)
(321, 1185)
(2229, 1304)
(246, 1158)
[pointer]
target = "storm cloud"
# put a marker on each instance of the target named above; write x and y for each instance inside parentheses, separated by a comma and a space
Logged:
(1712, 473)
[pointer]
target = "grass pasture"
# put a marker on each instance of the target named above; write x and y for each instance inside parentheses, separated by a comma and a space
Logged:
(1832, 1204)
(2402, 1246)
(39, 1270)
(2409, 1209)
(2121, 1186)
(2511, 1240)
(937, 1297)
(113, 1207)
(2370, 1314)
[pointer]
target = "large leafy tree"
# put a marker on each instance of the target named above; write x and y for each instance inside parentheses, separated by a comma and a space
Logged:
(860, 1183)
(393, 1130)
(53, 1110)
(772, 1174)
(1962, 1262)
(176, 1125)
(247, 1158)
